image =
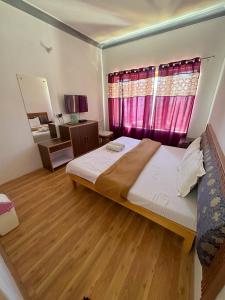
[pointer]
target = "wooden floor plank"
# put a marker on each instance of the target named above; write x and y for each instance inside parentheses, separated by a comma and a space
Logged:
(73, 242)
(167, 270)
(146, 257)
(78, 254)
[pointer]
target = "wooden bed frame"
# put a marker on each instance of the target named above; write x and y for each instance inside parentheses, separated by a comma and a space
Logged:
(38, 114)
(187, 234)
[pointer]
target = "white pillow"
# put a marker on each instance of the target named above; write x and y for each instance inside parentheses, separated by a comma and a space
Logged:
(191, 168)
(43, 128)
(35, 122)
(195, 145)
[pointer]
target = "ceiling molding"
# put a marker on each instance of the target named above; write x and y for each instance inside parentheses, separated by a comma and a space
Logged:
(187, 20)
(39, 14)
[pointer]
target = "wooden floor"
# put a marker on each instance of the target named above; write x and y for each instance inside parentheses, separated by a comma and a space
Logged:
(75, 243)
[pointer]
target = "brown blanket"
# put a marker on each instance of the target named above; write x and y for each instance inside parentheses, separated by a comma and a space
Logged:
(117, 180)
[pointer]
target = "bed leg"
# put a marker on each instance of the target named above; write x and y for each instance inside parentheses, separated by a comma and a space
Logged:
(187, 244)
(74, 184)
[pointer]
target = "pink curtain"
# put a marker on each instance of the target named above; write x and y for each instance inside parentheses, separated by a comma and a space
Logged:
(175, 96)
(130, 102)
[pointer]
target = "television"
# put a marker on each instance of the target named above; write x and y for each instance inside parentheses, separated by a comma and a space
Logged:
(76, 104)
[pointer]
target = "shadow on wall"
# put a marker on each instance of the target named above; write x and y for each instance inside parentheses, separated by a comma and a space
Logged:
(217, 118)
(78, 69)
(20, 164)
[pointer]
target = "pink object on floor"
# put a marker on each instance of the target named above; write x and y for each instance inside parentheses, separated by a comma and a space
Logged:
(5, 207)
(8, 216)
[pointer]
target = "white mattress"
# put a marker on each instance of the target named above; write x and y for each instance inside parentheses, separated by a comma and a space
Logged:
(155, 188)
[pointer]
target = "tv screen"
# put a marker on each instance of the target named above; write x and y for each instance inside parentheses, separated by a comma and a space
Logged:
(76, 103)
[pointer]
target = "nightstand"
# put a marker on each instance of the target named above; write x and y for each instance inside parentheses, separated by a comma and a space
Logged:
(185, 142)
(55, 153)
(105, 136)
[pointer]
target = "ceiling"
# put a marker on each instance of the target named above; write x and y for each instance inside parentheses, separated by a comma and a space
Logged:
(103, 20)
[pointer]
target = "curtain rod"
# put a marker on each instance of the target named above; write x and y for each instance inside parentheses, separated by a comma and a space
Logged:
(202, 58)
(208, 57)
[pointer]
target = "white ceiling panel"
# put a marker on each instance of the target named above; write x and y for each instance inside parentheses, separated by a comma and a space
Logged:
(103, 20)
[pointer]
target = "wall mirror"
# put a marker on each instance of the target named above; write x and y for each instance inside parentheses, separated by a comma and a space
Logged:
(37, 102)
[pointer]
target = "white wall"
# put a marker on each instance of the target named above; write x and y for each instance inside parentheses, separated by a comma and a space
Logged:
(8, 287)
(203, 39)
(197, 277)
(217, 118)
(73, 66)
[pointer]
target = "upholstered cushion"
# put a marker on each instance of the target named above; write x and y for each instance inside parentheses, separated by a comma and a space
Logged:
(210, 206)
(105, 133)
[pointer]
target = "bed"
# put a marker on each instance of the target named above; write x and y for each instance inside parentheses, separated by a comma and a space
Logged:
(41, 133)
(154, 194)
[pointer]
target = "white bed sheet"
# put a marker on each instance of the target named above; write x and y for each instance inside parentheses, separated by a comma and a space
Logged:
(155, 188)
(40, 136)
(92, 164)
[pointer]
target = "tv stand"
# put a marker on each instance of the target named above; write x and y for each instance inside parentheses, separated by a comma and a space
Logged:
(79, 121)
(84, 136)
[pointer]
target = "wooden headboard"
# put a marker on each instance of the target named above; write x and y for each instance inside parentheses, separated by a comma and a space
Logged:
(213, 275)
(43, 116)
(217, 149)
(216, 144)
